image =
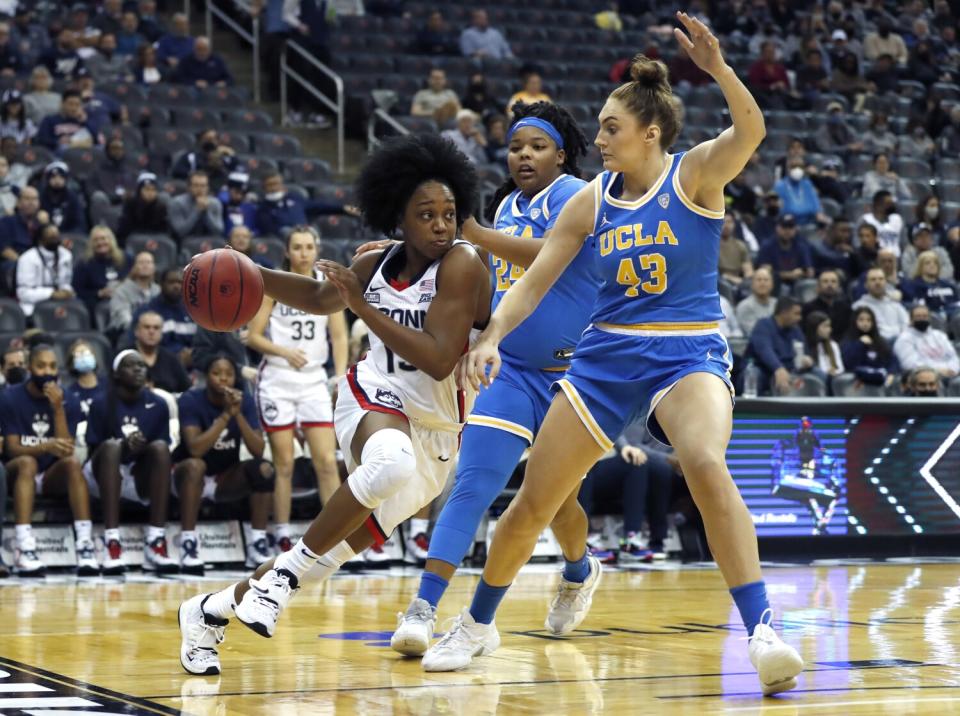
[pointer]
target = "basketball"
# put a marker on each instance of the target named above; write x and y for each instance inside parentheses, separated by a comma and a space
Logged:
(222, 289)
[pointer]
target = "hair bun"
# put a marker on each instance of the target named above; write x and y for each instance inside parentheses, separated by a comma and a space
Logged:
(649, 73)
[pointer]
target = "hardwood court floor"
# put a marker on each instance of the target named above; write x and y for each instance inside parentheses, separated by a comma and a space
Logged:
(877, 639)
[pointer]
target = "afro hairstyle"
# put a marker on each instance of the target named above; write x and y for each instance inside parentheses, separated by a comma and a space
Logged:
(395, 170)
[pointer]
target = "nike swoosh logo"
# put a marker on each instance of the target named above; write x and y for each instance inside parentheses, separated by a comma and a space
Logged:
(443, 459)
(149, 405)
(262, 591)
(376, 288)
(305, 553)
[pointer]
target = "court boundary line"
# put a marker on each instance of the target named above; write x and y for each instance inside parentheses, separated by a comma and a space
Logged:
(917, 687)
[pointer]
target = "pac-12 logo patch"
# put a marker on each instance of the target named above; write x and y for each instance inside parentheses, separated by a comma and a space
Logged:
(535, 214)
(663, 200)
(388, 398)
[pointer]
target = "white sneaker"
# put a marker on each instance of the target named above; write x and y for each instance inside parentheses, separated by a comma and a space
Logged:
(156, 559)
(200, 634)
(776, 663)
(414, 628)
(266, 599)
(417, 547)
(258, 552)
(114, 565)
(376, 557)
(572, 603)
(190, 560)
(465, 640)
(87, 565)
(26, 562)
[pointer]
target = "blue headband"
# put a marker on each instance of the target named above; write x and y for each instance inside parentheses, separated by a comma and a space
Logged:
(541, 124)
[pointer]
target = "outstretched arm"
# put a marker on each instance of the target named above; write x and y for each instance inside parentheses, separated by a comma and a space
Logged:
(709, 166)
(308, 294)
(514, 249)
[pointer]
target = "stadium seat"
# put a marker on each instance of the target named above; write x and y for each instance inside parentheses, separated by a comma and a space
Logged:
(271, 248)
(193, 245)
(807, 384)
(249, 120)
(170, 141)
(101, 316)
(163, 248)
(75, 243)
(953, 387)
(343, 227)
(277, 146)
(237, 141)
(82, 161)
(333, 193)
(171, 94)
(195, 118)
(844, 385)
(99, 344)
(12, 319)
(257, 167)
(57, 316)
(805, 289)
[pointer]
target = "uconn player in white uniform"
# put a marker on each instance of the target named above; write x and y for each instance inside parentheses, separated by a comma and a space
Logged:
(292, 382)
(399, 413)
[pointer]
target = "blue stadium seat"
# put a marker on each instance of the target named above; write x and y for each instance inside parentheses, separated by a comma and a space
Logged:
(163, 248)
(57, 316)
(306, 171)
(11, 316)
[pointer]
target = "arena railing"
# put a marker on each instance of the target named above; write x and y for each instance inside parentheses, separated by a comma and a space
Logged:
(252, 36)
(381, 115)
(335, 105)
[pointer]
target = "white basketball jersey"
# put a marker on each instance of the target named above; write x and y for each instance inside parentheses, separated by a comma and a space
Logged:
(436, 404)
(292, 328)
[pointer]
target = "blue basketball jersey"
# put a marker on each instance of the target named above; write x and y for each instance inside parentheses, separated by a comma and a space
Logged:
(657, 257)
(546, 339)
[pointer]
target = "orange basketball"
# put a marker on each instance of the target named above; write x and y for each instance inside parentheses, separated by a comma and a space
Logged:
(222, 289)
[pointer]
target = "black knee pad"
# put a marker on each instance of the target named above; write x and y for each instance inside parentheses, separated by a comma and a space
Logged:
(260, 476)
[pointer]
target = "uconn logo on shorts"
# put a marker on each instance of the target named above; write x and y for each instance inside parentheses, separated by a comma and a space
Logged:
(387, 397)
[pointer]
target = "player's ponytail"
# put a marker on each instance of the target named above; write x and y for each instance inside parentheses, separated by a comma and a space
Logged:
(649, 97)
(575, 145)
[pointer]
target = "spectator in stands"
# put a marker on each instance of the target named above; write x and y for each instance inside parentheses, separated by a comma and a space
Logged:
(40, 101)
(108, 19)
(889, 262)
(879, 139)
(97, 275)
(237, 209)
(828, 181)
(531, 92)
(145, 211)
(45, 272)
(215, 421)
(32, 38)
(108, 64)
(836, 135)
(609, 19)
(497, 147)
(729, 326)
(865, 353)
(830, 301)
(929, 287)
(760, 303)
(821, 348)
(922, 345)
(684, 73)
(87, 385)
(921, 241)
(280, 209)
(175, 45)
(13, 118)
(436, 100)
(928, 211)
(102, 108)
(129, 39)
(147, 69)
(113, 180)
(11, 62)
(241, 239)
(202, 68)
(196, 212)
(479, 98)
(62, 59)
(19, 174)
(85, 34)
(949, 141)
(8, 189)
(915, 142)
(812, 78)
(924, 382)
(884, 41)
(178, 328)
(735, 264)
(776, 344)
(768, 78)
(14, 366)
(208, 345)
(837, 252)
(134, 291)
(890, 316)
(128, 434)
(164, 371)
(867, 246)
(638, 475)
(40, 427)
(847, 80)
(482, 41)
(882, 177)
(70, 127)
(210, 155)
(436, 37)
(468, 136)
(741, 198)
(797, 149)
(923, 65)
(787, 254)
(62, 203)
(885, 217)
(798, 194)
(883, 77)
(17, 232)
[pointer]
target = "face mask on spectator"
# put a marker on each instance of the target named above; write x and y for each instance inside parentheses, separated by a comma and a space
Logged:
(41, 380)
(209, 146)
(933, 212)
(921, 326)
(15, 375)
(84, 363)
(796, 174)
(927, 394)
(273, 196)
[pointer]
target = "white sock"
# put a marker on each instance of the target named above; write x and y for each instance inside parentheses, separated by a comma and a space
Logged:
(111, 534)
(281, 530)
(188, 535)
(83, 530)
(419, 527)
(298, 560)
(23, 532)
(154, 533)
(221, 604)
(257, 535)
(330, 562)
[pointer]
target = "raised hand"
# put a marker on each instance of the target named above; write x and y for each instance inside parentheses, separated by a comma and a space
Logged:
(346, 281)
(701, 45)
(373, 246)
(472, 368)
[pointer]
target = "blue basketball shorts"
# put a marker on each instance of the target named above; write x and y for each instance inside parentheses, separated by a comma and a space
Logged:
(615, 377)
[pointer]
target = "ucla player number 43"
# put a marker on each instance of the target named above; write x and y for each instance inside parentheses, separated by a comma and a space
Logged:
(653, 346)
